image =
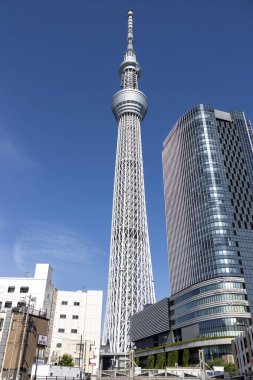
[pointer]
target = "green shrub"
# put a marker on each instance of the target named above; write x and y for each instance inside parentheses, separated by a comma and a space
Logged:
(215, 362)
(172, 358)
(229, 367)
(186, 356)
(160, 360)
(151, 361)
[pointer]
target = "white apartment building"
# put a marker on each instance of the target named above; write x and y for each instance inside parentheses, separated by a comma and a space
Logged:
(77, 327)
(16, 290)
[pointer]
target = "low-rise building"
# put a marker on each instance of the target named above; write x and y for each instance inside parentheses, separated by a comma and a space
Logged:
(21, 329)
(74, 317)
(152, 334)
(14, 291)
(76, 328)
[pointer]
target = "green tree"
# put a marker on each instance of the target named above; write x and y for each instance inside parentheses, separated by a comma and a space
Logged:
(66, 360)
(172, 358)
(160, 360)
(137, 361)
(186, 356)
(151, 361)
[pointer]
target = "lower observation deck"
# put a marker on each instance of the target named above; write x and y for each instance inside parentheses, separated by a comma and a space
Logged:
(129, 100)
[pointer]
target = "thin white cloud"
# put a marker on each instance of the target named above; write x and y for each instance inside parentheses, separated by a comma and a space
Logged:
(52, 244)
(2, 222)
(13, 155)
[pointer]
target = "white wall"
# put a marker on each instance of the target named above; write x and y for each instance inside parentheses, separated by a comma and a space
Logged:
(44, 370)
(87, 325)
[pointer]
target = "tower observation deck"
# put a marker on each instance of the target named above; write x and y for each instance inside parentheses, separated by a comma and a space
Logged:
(130, 279)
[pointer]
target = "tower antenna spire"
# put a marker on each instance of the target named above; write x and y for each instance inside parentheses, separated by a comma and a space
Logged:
(130, 35)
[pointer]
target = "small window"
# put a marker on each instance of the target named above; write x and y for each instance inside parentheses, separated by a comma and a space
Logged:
(73, 331)
(76, 303)
(8, 304)
(77, 362)
(63, 316)
(24, 289)
(61, 330)
(14, 324)
(75, 316)
(1, 323)
(11, 289)
(58, 345)
(64, 302)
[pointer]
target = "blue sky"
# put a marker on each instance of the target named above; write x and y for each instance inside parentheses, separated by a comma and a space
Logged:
(58, 72)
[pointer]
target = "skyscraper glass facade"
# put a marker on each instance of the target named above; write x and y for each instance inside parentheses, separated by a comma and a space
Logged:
(208, 184)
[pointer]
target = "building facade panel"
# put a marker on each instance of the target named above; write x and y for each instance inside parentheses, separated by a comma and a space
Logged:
(152, 320)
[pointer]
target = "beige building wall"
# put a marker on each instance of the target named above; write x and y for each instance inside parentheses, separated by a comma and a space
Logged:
(37, 325)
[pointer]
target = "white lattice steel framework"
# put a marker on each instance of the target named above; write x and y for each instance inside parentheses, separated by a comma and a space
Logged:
(130, 282)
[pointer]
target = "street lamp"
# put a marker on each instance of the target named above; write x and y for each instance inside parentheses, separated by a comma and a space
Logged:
(131, 360)
(165, 337)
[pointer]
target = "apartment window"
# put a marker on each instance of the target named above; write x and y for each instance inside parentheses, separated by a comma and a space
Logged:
(24, 289)
(11, 289)
(58, 345)
(61, 330)
(63, 316)
(21, 304)
(73, 331)
(76, 303)
(75, 316)
(64, 302)
(79, 347)
(1, 323)
(77, 362)
(8, 304)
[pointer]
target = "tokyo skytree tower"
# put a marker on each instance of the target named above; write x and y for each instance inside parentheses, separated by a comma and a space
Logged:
(130, 281)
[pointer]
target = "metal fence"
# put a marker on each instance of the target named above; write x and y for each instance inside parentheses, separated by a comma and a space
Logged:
(139, 373)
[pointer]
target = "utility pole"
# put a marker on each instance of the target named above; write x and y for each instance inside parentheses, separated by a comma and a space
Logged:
(15, 341)
(23, 339)
(202, 364)
(80, 356)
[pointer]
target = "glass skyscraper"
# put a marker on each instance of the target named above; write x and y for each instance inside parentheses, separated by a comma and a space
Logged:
(208, 184)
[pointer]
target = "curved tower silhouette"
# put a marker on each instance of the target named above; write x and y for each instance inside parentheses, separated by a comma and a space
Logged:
(130, 281)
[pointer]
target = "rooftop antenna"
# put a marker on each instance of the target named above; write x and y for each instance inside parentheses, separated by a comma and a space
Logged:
(130, 36)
